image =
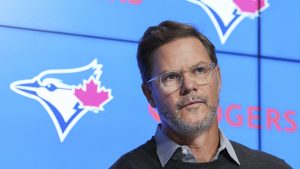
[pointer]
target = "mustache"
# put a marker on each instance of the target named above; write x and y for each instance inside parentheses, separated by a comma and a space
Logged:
(186, 100)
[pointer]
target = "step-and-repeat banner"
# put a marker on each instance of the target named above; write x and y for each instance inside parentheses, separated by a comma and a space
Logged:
(70, 86)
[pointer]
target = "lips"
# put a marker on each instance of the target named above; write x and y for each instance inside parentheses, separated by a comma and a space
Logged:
(191, 103)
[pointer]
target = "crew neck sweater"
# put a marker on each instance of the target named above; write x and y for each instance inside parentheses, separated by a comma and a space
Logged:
(145, 157)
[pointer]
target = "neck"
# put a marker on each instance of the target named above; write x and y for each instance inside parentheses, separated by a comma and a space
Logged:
(204, 147)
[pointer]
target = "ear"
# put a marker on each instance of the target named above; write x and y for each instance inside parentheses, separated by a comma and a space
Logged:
(148, 93)
(219, 78)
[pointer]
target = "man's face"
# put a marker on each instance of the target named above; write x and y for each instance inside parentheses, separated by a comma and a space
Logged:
(191, 109)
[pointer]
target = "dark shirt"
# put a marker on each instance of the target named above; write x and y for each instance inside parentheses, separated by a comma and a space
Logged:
(145, 157)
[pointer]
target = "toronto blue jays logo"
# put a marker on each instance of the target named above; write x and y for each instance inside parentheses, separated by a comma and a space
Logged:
(67, 94)
(227, 14)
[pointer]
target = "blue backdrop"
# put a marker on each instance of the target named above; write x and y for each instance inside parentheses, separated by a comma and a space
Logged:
(64, 45)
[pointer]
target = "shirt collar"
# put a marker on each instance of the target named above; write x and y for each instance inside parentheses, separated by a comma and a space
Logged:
(224, 142)
(165, 147)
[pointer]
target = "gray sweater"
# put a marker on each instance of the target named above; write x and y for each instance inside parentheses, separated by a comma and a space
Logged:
(145, 157)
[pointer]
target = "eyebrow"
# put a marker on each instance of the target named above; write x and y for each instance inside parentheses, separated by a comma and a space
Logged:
(201, 62)
(166, 71)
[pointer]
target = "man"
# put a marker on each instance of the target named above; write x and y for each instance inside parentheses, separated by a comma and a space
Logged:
(181, 79)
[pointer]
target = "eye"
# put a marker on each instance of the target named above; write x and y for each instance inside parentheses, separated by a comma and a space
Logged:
(170, 77)
(51, 87)
(200, 70)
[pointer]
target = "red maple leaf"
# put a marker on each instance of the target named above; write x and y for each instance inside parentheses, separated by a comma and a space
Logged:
(250, 6)
(90, 96)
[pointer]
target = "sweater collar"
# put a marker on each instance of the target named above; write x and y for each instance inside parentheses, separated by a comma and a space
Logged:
(166, 148)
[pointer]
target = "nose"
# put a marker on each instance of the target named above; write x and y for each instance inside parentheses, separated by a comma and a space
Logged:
(188, 84)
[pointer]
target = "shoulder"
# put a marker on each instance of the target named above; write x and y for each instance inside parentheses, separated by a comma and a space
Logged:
(140, 157)
(259, 159)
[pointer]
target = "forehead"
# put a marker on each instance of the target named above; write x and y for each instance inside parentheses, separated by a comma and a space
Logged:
(179, 54)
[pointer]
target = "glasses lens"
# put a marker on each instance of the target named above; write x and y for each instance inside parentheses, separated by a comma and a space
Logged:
(171, 81)
(201, 73)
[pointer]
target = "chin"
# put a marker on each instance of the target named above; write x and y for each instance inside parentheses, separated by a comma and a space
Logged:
(193, 115)
(192, 119)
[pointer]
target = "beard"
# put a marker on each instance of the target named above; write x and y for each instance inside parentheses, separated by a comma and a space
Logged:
(185, 128)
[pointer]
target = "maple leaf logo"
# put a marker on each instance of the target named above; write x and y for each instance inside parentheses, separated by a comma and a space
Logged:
(251, 7)
(92, 96)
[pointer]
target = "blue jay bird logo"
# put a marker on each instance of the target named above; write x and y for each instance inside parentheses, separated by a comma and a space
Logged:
(67, 94)
(227, 14)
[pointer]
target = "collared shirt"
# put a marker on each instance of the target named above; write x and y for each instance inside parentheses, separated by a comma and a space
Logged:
(167, 149)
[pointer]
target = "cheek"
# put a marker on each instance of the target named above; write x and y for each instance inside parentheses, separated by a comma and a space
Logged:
(213, 95)
(164, 102)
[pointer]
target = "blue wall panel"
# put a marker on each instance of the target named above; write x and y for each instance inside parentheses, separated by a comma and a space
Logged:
(280, 102)
(235, 101)
(280, 30)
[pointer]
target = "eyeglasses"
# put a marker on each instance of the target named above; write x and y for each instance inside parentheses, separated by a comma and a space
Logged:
(171, 81)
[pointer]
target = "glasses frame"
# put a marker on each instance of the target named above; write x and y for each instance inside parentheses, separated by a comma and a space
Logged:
(211, 65)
